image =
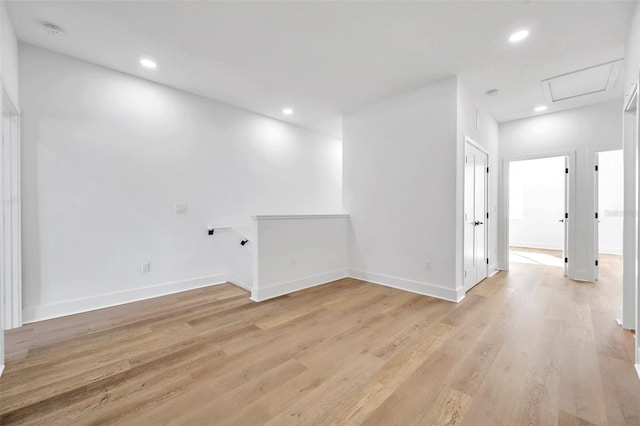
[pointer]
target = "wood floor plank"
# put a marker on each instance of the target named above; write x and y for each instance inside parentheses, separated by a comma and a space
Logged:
(495, 400)
(581, 392)
(622, 406)
(410, 402)
(524, 347)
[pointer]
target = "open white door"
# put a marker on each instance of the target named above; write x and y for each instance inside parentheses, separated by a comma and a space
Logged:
(475, 215)
(565, 247)
(596, 221)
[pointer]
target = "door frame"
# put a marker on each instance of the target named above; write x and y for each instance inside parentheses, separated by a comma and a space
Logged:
(10, 226)
(631, 221)
(631, 119)
(503, 206)
(469, 141)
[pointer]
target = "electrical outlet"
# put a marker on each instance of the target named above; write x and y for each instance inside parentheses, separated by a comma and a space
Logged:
(181, 208)
(293, 262)
(427, 264)
(146, 267)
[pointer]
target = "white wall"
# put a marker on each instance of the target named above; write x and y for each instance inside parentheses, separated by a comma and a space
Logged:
(106, 156)
(9, 52)
(610, 201)
(632, 53)
(583, 131)
(400, 190)
(537, 203)
(297, 252)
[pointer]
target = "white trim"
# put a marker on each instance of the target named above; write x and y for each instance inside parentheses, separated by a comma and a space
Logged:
(1, 369)
(616, 67)
(493, 269)
(239, 283)
(629, 107)
(418, 287)
(503, 216)
(475, 144)
(8, 104)
(301, 216)
(631, 120)
(637, 366)
(548, 154)
(70, 307)
(596, 209)
(280, 289)
(10, 228)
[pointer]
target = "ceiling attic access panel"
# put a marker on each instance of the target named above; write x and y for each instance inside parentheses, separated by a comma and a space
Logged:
(584, 82)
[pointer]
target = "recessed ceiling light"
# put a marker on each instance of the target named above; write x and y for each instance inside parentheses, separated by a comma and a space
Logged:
(148, 63)
(492, 92)
(287, 111)
(540, 108)
(519, 36)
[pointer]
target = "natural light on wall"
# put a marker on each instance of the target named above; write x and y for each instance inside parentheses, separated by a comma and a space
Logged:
(129, 99)
(273, 139)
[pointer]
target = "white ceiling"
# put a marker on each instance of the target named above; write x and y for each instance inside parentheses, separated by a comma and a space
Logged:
(328, 58)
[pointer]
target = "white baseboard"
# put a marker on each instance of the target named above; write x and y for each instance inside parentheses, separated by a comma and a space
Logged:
(239, 283)
(638, 370)
(426, 289)
(1, 369)
(265, 293)
(493, 269)
(70, 307)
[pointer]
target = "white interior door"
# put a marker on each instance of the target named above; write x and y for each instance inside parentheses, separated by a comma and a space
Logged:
(480, 214)
(475, 216)
(596, 222)
(565, 246)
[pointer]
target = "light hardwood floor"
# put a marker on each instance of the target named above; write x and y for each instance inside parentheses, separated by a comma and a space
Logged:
(524, 347)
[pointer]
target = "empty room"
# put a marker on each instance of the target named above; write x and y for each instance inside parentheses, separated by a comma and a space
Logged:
(319, 212)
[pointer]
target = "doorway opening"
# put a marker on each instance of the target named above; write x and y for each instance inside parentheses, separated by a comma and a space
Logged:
(609, 201)
(538, 212)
